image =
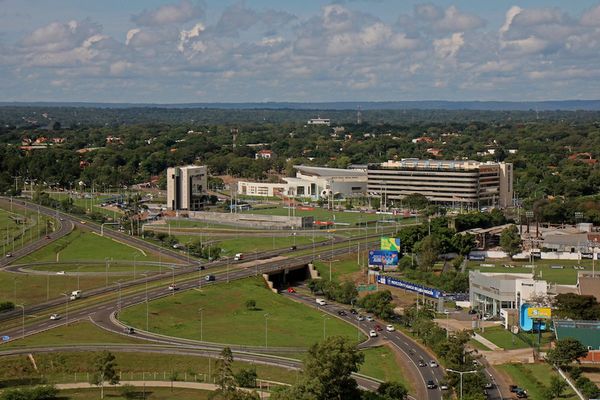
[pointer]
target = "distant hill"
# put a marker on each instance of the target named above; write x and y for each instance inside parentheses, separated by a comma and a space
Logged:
(552, 105)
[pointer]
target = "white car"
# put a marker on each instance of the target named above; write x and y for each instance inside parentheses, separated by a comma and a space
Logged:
(360, 318)
(369, 318)
(433, 364)
(60, 273)
(372, 333)
(390, 328)
(55, 316)
(444, 386)
(173, 287)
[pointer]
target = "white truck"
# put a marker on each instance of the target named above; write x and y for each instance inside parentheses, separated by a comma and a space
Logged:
(238, 257)
(75, 294)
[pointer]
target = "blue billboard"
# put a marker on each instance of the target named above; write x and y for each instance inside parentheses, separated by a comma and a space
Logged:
(413, 287)
(383, 258)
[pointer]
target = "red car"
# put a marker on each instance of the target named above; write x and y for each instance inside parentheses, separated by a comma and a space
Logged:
(291, 290)
(378, 328)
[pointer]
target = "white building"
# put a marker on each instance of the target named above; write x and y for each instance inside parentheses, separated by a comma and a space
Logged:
(313, 182)
(491, 292)
(185, 187)
(319, 121)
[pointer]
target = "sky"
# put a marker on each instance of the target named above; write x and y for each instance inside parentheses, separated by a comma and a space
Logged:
(182, 51)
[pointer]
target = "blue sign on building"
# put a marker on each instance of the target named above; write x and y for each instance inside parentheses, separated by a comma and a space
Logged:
(383, 258)
(413, 287)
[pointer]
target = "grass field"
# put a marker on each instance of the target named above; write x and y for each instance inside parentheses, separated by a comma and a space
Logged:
(84, 245)
(503, 338)
(250, 244)
(226, 319)
(99, 267)
(380, 363)
(150, 394)
(564, 276)
(83, 332)
(91, 204)
(533, 378)
(341, 267)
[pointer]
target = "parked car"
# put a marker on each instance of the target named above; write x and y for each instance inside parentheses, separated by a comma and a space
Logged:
(431, 384)
(433, 364)
(55, 316)
(390, 328)
(372, 333)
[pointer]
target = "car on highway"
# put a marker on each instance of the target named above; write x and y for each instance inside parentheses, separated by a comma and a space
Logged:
(201, 268)
(372, 333)
(390, 328)
(47, 236)
(54, 317)
(431, 384)
(8, 255)
(433, 364)
(444, 386)
(378, 328)
(173, 287)
(321, 302)
(353, 311)
(210, 278)
(369, 318)
(360, 318)
(82, 222)
(129, 331)
(422, 363)
(291, 290)
(489, 385)
(342, 313)
(60, 272)
(472, 311)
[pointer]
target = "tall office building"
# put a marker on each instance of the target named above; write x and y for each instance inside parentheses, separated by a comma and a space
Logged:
(185, 187)
(453, 183)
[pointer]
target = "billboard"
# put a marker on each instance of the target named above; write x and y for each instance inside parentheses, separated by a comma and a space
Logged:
(413, 287)
(383, 258)
(388, 243)
(539, 312)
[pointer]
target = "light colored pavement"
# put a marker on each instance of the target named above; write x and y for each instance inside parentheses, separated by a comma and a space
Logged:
(487, 343)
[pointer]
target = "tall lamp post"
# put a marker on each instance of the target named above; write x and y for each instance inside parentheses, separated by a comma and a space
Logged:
(135, 256)
(66, 308)
(145, 275)
(22, 307)
(201, 310)
(461, 373)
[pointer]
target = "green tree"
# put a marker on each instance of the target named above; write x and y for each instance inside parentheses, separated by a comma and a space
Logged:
(556, 388)
(428, 250)
(510, 240)
(104, 370)
(415, 201)
(378, 303)
(246, 377)
(327, 373)
(224, 375)
(565, 352)
(392, 391)
(577, 307)
(251, 304)
(33, 393)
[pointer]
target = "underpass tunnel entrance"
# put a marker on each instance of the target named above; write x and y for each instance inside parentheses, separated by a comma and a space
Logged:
(289, 277)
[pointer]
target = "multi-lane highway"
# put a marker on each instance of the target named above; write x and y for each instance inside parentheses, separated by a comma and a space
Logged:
(102, 312)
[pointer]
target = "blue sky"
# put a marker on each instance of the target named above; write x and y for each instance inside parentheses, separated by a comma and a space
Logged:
(266, 50)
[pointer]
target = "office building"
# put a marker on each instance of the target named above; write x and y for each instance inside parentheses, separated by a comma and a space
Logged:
(470, 184)
(186, 187)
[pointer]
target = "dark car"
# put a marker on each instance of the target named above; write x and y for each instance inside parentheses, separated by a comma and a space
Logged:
(201, 268)
(521, 394)
(353, 311)
(210, 278)
(471, 311)
(422, 363)
(341, 313)
(431, 384)
(293, 247)
(378, 328)
(129, 331)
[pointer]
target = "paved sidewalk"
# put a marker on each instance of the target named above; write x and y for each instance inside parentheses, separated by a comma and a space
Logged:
(177, 384)
(487, 343)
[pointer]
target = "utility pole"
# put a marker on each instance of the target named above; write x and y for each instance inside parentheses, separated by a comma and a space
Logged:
(461, 373)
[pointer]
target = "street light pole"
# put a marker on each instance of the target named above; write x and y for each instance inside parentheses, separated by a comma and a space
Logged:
(201, 323)
(461, 373)
(119, 302)
(106, 269)
(66, 308)
(145, 275)
(135, 256)
(22, 306)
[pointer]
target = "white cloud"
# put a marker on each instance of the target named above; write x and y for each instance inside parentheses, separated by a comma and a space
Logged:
(591, 17)
(449, 47)
(130, 34)
(186, 36)
(455, 21)
(169, 14)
